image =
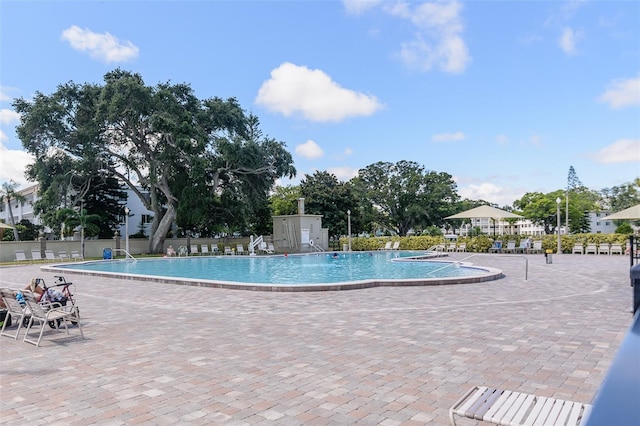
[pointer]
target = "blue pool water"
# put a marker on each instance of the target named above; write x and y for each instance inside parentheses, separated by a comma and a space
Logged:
(291, 270)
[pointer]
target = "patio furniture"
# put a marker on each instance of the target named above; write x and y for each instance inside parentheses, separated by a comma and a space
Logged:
(591, 249)
(194, 249)
(387, 246)
(36, 255)
(47, 314)
(511, 247)
(604, 248)
(20, 256)
(240, 249)
(504, 407)
(616, 249)
(537, 247)
(15, 312)
(462, 247)
(577, 249)
(496, 247)
(204, 249)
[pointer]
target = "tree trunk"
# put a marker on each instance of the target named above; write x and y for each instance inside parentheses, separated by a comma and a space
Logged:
(156, 240)
(16, 236)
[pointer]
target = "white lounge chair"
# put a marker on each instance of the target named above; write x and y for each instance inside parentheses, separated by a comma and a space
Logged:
(36, 255)
(62, 255)
(387, 246)
(604, 248)
(227, 250)
(523, 247)
(50, 255)
(511, 247)
(204, 249)
(75, 255)
(616, 249)
(591, 249)
(194, 249)
(271, 248)
(577, 249)
(503, 407)
(20, 256)
(240, 249)
(44, 314)
(396, 246)
(15, 312)
(462, 247)
(537, 247)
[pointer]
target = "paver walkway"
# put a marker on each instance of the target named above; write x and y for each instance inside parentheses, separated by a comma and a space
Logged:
(166, 354)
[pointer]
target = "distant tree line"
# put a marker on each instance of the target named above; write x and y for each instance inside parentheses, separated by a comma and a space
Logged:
(203, 167)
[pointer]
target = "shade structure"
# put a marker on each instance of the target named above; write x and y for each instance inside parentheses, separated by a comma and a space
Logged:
(632, 213)
(484, 211)
(5, 226)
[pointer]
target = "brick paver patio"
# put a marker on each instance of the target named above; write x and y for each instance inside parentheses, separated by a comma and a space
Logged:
(167, 354)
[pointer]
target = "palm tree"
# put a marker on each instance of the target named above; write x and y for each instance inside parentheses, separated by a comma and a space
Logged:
(73, 219)
(8, 193)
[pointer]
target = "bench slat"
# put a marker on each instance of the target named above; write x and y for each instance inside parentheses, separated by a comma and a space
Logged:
(553, 417)
(484, 404)
(523, 411)
(510, 408)
(535, 412)
(464, 408)
(505, 400)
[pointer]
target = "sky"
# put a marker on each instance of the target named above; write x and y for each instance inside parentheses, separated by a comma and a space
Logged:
(505, 96)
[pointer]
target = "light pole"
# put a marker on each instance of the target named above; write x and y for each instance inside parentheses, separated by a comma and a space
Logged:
(559, 249)
(126, 229)
(349, 227)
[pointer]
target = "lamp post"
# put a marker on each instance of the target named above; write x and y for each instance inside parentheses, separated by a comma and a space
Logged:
(349, 228)
(559, 249)
(126, 229)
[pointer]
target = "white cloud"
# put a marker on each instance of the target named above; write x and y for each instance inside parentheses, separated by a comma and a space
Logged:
(105, 46)
(438, 42)
(8, 116)
(448, 137)
(297, 89)
(502, 196)
(6, 93)
(358, 7)
(622, 93)
(309, 149)
(502, 139)
(621, 151)
(343, 173)
(13, 163)
(568, 40)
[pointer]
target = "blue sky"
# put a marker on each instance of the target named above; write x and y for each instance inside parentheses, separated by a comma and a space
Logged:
(503, 95)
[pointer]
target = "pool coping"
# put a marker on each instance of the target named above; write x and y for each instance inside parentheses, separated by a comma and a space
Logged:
(486, 273)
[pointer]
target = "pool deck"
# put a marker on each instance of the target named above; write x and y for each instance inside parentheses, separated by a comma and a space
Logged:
(159, 353)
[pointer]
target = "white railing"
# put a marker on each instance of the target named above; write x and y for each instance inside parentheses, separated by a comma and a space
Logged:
(126, 254)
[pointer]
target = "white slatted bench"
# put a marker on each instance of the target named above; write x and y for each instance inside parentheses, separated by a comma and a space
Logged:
(507, 408)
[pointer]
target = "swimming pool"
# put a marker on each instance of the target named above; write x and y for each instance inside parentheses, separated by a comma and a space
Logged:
(307, 272)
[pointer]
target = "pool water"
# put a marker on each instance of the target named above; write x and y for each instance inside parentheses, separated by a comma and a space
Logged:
(286, 270)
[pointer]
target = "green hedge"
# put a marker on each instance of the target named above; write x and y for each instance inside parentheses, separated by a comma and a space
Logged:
(482, 243)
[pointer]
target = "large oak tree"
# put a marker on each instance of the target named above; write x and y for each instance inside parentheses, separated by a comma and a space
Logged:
(162, 142)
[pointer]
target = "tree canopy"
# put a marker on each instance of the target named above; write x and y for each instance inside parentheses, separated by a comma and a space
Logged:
(204, 158)
(405, 196)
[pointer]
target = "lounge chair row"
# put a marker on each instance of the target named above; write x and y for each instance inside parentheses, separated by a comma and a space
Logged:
(49, 255)
(525, 246)
(239, 249)
(602, 248)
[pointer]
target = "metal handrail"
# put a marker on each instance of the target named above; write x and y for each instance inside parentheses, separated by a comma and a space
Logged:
(457, 262)
(126, 253)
